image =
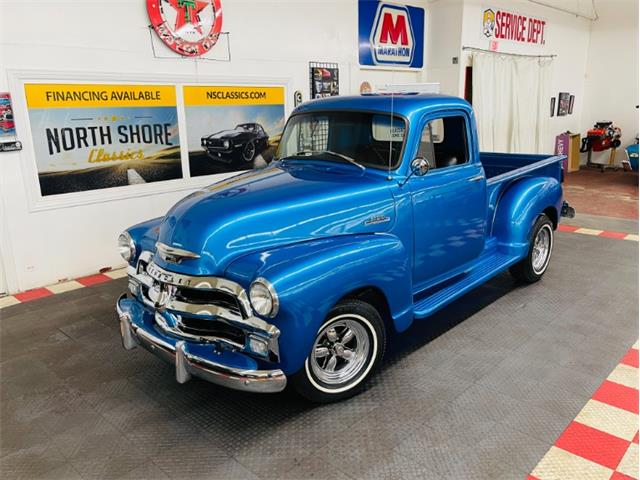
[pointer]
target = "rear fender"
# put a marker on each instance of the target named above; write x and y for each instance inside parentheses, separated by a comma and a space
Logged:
(518, 209)
(311, 277)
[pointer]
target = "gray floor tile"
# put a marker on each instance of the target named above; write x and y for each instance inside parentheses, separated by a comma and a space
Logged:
(146, 471)
(395, 466)
(479, 390)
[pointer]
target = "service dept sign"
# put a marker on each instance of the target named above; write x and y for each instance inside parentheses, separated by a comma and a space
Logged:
(390, 34)
(513, 27)
(188, 27)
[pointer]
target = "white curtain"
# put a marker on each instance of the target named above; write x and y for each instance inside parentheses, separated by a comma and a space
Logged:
(511, 101)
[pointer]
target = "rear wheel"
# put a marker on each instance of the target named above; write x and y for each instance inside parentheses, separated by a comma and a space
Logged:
(532, 267)
(347, 350)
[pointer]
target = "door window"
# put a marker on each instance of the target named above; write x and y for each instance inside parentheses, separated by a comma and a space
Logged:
(444, 142)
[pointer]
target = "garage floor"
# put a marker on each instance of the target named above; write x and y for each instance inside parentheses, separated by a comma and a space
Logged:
(610, 193)
(481, 390)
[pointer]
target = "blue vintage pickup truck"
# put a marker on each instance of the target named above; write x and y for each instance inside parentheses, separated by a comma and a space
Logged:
(377, 211)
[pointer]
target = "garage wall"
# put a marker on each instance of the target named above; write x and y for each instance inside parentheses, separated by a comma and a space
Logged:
(566, 36)
(270, 39)
(611, 82)
(443, 39)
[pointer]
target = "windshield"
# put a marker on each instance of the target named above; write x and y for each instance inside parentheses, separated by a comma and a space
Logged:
(370, 139)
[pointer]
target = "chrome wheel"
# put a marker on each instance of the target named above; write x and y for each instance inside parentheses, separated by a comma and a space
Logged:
(249, 152)
(340, 352)
(542, 245)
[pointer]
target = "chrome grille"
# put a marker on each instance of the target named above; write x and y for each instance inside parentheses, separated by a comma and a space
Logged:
(204, 297)
(215, 143)
(199, 308)
(207, 328)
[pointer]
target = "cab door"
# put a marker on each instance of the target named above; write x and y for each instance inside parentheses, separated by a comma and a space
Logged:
(449, 201)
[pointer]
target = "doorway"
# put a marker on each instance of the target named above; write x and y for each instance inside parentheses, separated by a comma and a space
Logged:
(511, 101)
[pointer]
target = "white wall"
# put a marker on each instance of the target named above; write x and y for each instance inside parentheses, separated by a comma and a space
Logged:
(443, 42)
(269, 38)
(611, 85)
(566, 36)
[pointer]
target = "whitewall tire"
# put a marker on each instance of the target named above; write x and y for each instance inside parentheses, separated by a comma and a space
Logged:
(346, 351)
(532, 267)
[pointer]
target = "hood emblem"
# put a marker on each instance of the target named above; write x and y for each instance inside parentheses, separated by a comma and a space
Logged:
(377, 219)
(173, 254)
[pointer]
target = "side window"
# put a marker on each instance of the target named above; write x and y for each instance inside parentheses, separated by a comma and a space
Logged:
(444, 142)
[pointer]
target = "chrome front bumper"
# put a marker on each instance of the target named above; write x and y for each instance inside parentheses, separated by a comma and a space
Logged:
(208, 361)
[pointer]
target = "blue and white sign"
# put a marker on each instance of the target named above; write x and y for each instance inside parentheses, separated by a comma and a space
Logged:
(390, 34)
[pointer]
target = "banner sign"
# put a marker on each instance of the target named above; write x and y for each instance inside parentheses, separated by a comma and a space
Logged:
(89, 137)
(503, 25)
(232, 128)
(390, 34)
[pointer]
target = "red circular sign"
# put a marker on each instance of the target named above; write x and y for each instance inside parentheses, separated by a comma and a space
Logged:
(188, 27)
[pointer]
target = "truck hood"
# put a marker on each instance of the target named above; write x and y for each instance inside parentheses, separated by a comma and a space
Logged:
(284, 203)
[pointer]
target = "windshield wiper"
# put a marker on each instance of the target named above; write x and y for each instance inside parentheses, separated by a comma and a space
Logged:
(334, 154)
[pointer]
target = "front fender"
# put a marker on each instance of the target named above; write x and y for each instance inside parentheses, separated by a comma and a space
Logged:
(145, 236)
(311, 277)
(518, 209)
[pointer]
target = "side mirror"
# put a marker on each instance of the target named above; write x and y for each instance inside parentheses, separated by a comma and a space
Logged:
(419, 166)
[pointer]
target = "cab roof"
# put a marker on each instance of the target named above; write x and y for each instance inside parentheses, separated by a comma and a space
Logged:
(405, 104)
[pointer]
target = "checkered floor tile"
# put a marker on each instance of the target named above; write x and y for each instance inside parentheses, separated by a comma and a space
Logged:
(602, 441)
(62, 287)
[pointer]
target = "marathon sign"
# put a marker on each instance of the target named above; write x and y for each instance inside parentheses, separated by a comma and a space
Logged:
(390, 34)
(503, 25)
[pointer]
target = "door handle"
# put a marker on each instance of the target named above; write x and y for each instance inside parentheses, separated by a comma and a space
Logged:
(477, 178)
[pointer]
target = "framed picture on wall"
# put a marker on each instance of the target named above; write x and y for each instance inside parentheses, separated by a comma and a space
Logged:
(232, 127)
(571, 100)
(553, 106)
(7, 125)
(323, 79)
(563, 103)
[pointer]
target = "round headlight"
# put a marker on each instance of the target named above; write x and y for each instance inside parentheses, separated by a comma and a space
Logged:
(226, 144)
(264, 298)
(126, 246)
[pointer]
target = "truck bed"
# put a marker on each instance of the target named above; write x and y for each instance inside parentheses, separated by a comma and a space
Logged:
(500, 166)
(501, 169)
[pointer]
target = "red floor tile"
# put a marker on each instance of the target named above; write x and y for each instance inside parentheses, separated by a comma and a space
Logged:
(631, 358)
(635, 439)
(33, 294)
(618, 235)
(567, 228)
(618, 396)
(592, 444)
(621, 476)
(93, 279)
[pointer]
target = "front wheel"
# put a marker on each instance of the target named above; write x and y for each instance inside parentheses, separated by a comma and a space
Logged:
(532, 267)
(347, 350)
(249, 152)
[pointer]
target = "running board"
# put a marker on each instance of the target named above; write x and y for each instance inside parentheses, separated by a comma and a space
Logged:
(485, 269)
